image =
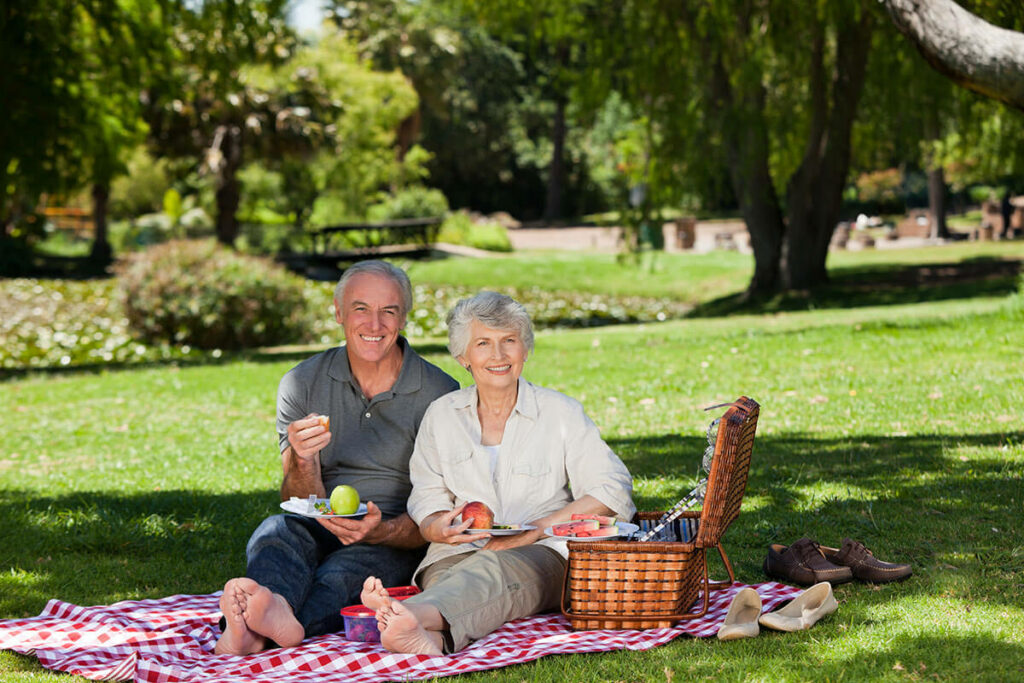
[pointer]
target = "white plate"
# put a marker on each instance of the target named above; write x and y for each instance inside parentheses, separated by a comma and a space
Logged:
(625, 529)
(300, 506)
(501, 532)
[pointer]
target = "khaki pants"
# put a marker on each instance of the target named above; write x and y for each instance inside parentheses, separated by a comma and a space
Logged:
(477, 592)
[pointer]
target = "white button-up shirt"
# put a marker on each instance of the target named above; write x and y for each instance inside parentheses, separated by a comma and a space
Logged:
(551, 454)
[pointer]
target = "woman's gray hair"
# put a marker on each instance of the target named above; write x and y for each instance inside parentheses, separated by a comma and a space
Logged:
(384, 269)
(497, 311)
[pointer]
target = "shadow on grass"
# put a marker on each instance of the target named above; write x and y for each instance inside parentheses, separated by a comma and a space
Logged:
(883, 285)
(49, 266)
(98, 547)
(931, 500)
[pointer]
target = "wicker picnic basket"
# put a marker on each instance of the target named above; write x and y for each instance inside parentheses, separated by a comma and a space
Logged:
(629, 584)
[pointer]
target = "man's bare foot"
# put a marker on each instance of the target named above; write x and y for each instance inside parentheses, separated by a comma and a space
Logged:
(270, 615)
(405, 634)
(238, 639)
(374, 594)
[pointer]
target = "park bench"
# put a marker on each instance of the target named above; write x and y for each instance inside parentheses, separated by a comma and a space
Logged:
(76, 221)
(400, 237)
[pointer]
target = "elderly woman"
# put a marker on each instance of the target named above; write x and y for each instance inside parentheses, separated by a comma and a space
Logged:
(531, 454)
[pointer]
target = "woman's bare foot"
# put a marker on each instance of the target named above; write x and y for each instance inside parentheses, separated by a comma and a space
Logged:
(238, 639)
(374, 594)
(270, 615)
(404, 633)
(383, 614)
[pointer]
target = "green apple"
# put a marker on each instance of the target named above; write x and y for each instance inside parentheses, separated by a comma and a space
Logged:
(344, 500)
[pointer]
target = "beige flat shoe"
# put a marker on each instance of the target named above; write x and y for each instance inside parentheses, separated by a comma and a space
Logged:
(741, 619)
(804, 611)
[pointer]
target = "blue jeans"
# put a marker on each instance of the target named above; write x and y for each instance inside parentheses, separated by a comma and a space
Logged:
(303, 562)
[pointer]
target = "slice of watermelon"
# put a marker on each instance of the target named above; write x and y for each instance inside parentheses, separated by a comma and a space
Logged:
(603, 520)
(603, 532)
(565, 529)
(574, 528)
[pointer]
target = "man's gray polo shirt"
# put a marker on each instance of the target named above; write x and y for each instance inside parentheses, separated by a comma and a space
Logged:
(371, 439)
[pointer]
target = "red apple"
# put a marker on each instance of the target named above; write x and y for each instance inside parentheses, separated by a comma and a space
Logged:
(483, 517)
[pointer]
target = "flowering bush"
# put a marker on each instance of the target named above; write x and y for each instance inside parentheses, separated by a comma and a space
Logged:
(204, 295)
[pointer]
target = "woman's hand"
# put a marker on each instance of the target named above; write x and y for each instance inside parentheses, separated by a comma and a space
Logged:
(440, 527)
(515, 540)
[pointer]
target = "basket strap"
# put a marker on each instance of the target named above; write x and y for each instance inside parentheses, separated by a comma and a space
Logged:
(735, 404)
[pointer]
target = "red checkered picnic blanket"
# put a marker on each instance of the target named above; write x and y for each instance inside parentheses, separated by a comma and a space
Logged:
(172, 639)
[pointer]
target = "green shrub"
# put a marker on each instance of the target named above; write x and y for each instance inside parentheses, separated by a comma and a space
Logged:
(207, 296)
(142, 188)
(459, 228)
(982, 193)
(412, 202)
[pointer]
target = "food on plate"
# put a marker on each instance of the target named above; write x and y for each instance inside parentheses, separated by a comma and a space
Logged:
(344, 500)
(603, 532)
(482, 516)
(505, 526)
(575, 528)
(603, 520)
(586, 525)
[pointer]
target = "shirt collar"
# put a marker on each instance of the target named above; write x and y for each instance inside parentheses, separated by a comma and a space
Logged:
(410, 377)
(526, 399)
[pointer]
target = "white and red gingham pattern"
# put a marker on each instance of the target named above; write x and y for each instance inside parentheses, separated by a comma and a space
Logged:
(172, 639)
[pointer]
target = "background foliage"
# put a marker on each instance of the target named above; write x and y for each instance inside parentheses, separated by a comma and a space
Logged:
(197, 293)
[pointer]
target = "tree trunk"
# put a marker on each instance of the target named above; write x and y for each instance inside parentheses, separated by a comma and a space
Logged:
(228, 194)
(228, 188)
(747, 151)
(936, 186)
(759, 204)
(101, 252)
(815, 192)
(937, 202)
(556, 175)
(968, 50)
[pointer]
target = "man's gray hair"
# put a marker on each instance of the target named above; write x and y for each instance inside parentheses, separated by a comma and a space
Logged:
(384, 269)
(497, 311)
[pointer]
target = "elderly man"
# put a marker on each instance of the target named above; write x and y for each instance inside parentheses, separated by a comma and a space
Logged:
(300, 571)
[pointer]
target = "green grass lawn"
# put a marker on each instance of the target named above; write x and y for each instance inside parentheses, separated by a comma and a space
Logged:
(897, 422)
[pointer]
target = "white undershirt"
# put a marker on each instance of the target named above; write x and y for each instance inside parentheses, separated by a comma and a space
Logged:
(492, 451)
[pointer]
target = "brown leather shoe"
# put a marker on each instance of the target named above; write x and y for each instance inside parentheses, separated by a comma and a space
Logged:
(802, 563)
(864, 564)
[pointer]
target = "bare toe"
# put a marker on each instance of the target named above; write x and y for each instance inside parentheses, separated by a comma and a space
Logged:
(374, 594)
(238, 638)
(405, 634)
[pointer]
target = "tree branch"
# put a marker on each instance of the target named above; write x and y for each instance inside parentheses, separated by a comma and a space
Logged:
(968, 50)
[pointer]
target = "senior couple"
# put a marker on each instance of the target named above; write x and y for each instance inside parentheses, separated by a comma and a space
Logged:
(418, 448)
